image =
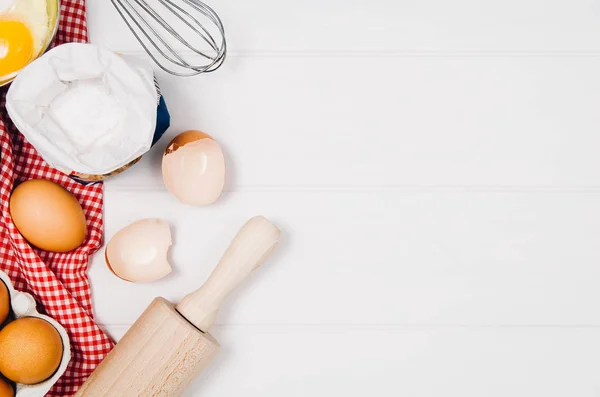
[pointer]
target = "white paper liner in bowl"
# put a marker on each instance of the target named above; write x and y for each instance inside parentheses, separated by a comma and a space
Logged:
(23, 305)
(84, 108)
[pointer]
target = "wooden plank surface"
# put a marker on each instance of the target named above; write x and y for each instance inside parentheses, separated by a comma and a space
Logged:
(381, 257)
(393, 121)
(389, 361)
(433, 166)
(387, 25)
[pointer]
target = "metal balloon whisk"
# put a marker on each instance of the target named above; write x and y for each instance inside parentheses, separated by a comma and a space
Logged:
(183, 37)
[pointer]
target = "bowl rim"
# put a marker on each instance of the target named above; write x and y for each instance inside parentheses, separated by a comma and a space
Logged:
(44, 49)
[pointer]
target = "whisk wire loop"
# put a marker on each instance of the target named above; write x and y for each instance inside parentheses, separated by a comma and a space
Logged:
(176, 50)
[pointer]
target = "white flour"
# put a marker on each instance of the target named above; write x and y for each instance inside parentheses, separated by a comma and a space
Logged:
(88, 114)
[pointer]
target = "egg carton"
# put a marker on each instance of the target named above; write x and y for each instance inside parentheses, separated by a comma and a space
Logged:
(23, 305)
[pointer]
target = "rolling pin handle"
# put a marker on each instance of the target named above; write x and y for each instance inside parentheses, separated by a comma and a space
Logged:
(252, 245)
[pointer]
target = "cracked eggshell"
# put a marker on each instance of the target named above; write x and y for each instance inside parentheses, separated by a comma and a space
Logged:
(193, 168)
(138, 252)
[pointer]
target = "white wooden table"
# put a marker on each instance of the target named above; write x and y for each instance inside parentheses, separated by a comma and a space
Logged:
(434, 166)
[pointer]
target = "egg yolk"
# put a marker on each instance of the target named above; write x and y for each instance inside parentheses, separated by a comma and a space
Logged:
(16, 46)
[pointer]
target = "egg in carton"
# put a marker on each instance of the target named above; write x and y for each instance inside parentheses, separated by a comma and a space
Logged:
(23, 305)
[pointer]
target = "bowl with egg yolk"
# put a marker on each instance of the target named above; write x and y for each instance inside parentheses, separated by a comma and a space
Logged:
(27, 27)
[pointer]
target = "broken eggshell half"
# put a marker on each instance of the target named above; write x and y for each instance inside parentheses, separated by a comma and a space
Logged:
(138, 252)
(193, 168)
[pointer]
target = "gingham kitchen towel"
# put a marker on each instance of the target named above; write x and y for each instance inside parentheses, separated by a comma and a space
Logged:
(58, 281)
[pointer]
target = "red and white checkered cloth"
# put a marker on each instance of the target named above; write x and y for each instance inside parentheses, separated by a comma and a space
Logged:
(58, 281)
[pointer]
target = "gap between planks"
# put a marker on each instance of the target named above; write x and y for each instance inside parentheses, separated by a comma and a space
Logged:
(110, 187)
(386, 54)
(393, 326)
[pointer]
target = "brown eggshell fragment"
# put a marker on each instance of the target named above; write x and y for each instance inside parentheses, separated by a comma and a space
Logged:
(193, 168)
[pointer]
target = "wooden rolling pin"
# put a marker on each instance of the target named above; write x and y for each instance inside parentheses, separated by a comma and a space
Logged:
(168, 346)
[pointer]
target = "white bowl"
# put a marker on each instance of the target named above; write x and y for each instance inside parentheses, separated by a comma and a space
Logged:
(54, 7)
(23, 305)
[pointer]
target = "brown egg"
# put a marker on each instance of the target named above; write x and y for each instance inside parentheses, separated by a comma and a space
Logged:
(4, 302)
(48, 216)
(6, 390)
(30, 350)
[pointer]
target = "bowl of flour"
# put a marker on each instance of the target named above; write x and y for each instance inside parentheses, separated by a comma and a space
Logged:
(88, 111)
